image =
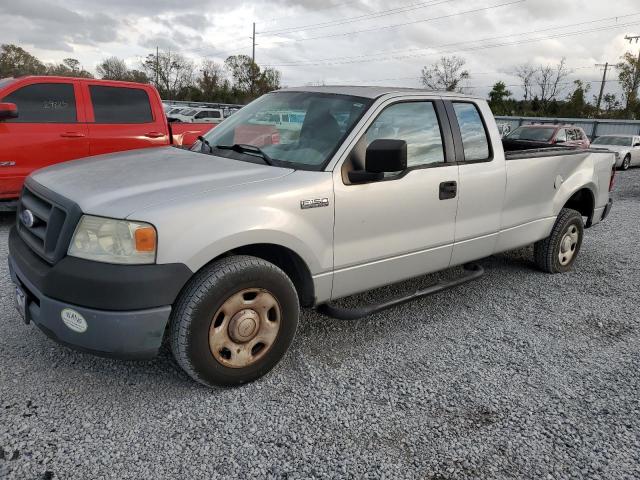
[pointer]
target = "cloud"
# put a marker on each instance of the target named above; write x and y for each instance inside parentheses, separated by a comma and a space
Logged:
(218, 28)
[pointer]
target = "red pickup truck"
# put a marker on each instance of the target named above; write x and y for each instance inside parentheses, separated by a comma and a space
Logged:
(47, 120)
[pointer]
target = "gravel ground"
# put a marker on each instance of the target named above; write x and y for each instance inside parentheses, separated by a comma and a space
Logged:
(517, 375)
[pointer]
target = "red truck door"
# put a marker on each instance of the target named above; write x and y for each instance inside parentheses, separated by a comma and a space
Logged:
(123, 118)
(49, 129)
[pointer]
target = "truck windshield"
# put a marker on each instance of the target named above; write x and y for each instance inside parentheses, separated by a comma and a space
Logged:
(300, 130)
(617, 141)
(534, 134)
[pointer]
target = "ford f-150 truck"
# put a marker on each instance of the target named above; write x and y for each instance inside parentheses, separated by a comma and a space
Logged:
(217, 248)
(47, 120)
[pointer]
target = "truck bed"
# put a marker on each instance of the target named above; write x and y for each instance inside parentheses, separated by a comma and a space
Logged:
(547, 152)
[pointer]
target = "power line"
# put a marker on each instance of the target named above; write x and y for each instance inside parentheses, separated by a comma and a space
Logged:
(385, 52)
(386, 27)
(438, 49)
(359, 18)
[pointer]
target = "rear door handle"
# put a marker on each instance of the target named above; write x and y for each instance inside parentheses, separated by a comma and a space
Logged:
(448, 190)
(72, 135)
(154, 134)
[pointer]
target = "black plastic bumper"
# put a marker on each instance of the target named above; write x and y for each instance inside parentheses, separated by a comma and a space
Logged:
(124, 308)
(100, 285)
(607, 209)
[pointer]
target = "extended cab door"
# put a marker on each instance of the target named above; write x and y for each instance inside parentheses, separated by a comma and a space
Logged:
(402, 226)
(123, 118)
(482, 180)
(48, 130)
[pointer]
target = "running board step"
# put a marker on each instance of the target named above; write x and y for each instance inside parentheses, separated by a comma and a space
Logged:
(472, 272)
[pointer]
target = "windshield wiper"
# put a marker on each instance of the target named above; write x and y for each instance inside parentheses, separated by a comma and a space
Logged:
(205, 142)
(248, 149)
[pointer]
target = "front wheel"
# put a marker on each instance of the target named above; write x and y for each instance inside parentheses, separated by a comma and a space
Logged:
(558, 252)
(626, 163)
(234, 321)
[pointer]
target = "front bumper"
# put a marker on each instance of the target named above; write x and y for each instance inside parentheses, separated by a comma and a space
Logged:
(118, 325)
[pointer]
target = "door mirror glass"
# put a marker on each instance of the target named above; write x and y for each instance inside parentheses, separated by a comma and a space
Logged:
(8, 110)
(382, 156)
(386, 156)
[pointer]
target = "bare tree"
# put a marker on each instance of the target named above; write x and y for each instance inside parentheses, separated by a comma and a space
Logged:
(525, 73)
(170, 72)
(446, 74)
(113, 68)
(550, 79)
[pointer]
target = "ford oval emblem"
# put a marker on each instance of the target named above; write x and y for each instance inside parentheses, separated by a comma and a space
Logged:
(27, 218)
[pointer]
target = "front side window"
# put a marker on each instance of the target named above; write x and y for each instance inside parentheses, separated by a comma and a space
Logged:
(322, 121)
(417, 124)
(120, 105)
(474, 136)
(561, 136)
(44, 103)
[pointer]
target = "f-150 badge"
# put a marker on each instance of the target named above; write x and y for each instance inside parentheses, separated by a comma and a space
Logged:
(315, 203)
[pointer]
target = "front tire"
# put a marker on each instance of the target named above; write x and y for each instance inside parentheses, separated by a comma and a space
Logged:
(234, 321)
(626, 162)
(558, 252)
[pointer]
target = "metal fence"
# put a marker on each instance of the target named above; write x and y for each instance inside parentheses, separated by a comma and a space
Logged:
(592, 127)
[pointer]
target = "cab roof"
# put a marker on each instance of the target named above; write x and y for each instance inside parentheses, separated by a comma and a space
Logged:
(371, 91)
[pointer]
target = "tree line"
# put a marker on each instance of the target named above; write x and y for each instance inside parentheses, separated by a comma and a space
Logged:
(546, 90)
(237, 80)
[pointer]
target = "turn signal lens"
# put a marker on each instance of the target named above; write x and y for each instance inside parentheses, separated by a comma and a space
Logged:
(145, 239)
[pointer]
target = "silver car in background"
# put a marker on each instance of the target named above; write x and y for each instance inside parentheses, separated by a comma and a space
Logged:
(626, 148)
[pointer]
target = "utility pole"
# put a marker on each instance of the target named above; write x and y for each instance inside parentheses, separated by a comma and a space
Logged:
(157, 64)
(604, 79)
(253, 57)
(253, 38)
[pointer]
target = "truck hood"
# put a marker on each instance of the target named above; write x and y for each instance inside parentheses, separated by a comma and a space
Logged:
(116, 185)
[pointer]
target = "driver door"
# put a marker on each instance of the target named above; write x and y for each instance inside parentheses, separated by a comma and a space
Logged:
(404, 225)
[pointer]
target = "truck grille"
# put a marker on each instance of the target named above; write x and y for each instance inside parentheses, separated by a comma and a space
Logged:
(46, 225)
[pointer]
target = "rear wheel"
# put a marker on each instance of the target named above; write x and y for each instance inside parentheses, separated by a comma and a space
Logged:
(626, 162)
(558, 252)
(234, 321)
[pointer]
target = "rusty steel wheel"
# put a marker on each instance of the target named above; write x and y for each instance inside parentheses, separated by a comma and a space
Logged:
(234, 320)
(244, 328)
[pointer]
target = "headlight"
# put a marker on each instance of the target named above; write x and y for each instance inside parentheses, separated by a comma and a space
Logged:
(113, 241)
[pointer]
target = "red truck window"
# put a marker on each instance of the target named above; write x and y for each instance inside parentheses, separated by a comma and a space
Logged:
(44, 103)
(120, 105)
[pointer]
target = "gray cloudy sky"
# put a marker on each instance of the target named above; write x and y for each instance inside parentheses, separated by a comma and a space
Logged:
(335, 41)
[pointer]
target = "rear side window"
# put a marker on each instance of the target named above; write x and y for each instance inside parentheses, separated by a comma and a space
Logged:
(44, 103)
(120, 105)
(474, 136)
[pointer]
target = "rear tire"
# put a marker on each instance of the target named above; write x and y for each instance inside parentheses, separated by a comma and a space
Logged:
(626, 162)
(558, 252)
(234, 321)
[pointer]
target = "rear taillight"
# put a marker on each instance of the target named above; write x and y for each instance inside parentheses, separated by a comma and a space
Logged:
(612, 180)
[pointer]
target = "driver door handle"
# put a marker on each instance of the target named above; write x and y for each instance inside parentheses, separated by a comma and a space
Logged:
(72, 135)
(154, 135)
(448, 190)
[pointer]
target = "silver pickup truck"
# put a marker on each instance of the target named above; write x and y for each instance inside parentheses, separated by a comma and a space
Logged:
(302, 197)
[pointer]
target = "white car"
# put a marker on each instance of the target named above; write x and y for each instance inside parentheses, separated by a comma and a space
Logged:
(206, 115)
(626, 148)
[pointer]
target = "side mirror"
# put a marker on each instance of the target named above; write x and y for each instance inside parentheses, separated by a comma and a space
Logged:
(8, 110)
(383, 155)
